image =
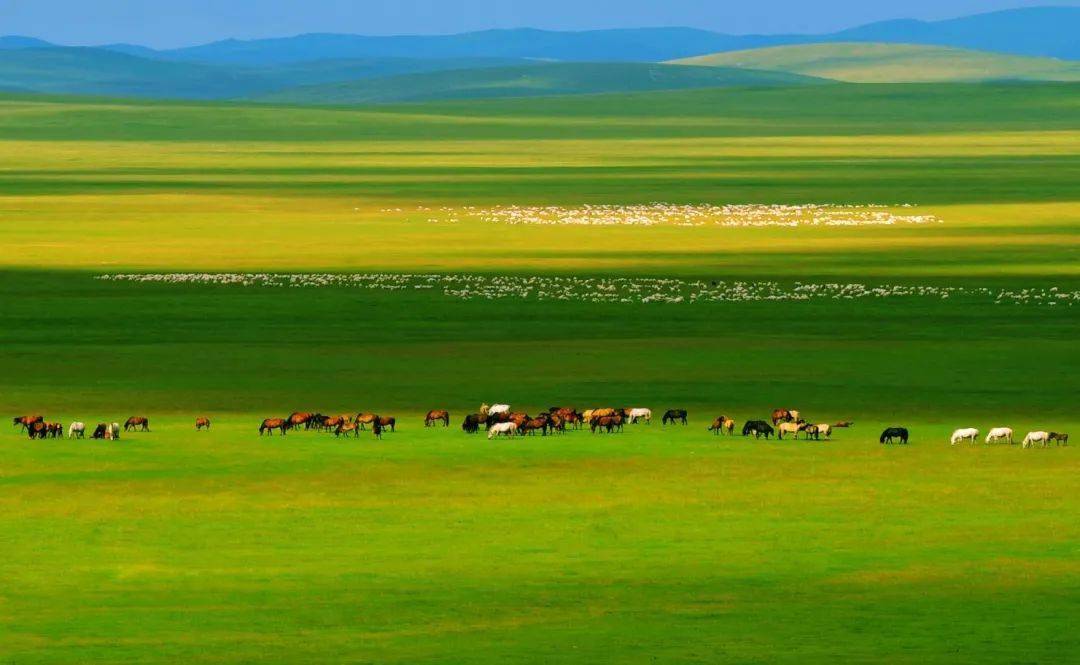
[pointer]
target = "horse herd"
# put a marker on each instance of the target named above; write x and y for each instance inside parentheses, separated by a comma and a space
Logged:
(500, 420)
(37, 427)
(1005, 435)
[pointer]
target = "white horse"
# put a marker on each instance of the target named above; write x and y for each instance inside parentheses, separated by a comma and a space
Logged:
(499, 409)
(790, 428)
(1037, 437)
(971, 435)
(825, 431)
(999, 435)
(502, 429)
(641, 413)
(77, 430)
(112, 432)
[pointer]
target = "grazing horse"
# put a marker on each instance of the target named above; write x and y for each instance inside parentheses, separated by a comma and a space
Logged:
(790, 428)
(77, 430)
(721, 425)
(1000, 435)
(436, 416)
(675, 416)
(385, 422)
(758, 428)
(100, 431)
(782, 416)
(509, 428)
(633, 415)
(536, 424)
(969, 434)
(364, 419)
(271, 424)
(55, 430)
(472, 423)
(894, 433)
(821, 430)
(202, 423)
(38, 430)
(607, 423)
(1059, 438)
(137, 422)
(297, 419)
(329, 424)
(1037, 437)
(347, 429)
(113, 433)
(497, 409)
(26, 421)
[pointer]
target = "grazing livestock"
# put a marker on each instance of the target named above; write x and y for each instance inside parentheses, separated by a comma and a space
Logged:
(1000, 435)
(782, 416)
(99, 431)
(376, 428)
(137, 422)
(844, 424)
(55, 430)
(633, 415)
(364, 419)
(347, 429)
(38, 430)
(331, 424)
(497, 409)
(531, 427)
(386, 422)
(758, 428)
(202, 423)
(894, 434)
(790, 428)
(299, 419)
(675, 416)
(77, 430)
(472, 423)
(25, 422)
(437, 416)
(823, 430)
(608, 424)
(270, 424)
(502, 429)
(1037, 438)
(969, 434)
(1059, 438)
(721, 425)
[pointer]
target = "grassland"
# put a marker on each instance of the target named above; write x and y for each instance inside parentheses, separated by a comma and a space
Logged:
(870, 62)
(661, 544)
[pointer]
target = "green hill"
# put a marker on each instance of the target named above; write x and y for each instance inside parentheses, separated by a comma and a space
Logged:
(535, 80)
(894, 63)
(91, 71)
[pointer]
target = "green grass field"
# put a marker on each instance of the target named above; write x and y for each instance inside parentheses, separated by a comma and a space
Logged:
(431, 546)
(872, 62)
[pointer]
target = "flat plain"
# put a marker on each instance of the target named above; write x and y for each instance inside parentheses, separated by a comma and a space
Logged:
(660, 543)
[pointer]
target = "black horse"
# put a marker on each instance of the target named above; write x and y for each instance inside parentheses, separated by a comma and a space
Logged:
(898, 433)
(472, 423)
(675, 416)
(758, 428)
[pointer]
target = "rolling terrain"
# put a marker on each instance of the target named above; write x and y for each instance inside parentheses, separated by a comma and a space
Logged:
(535, 80)
(427, 272)
(893, 63)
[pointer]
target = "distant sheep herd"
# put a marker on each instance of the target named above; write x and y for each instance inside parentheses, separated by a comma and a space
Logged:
(500, 420)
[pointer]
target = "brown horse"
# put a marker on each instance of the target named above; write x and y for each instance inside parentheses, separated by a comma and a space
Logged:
(55, 430)
(436, 416)
(26, 421)
(298, 418)
(334, 423)
(347, 429)
(535, 424)
(202, 423)
(519, 419)
(38, 430)
(723, 424)
(386, 422)
(1058, 438)
(137, 422)
(271, 424)
(607, 423)
(364, 419)
(844, 425)
(782, 416)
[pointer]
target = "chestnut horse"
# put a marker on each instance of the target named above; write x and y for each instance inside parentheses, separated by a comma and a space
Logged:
(202, 423)
(436, 416)
(384, 423)
(347, 429)
(26, 421)
(271, 424)
(135, 422)
(723, 424)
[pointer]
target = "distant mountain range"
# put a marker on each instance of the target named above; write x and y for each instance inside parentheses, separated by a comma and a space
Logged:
(344, 69)
(1039, 31)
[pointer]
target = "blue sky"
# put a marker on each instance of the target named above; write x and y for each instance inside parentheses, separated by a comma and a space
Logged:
(169, 23)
